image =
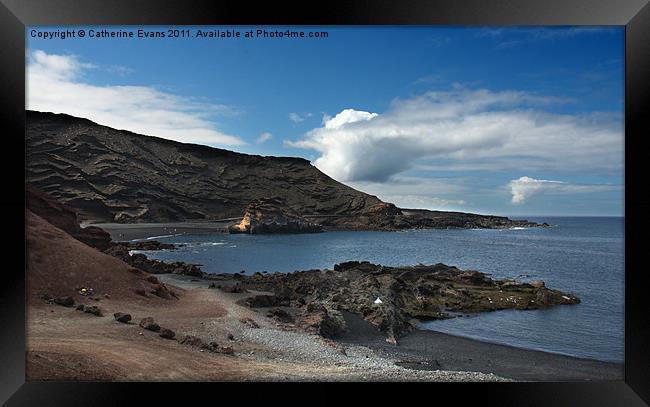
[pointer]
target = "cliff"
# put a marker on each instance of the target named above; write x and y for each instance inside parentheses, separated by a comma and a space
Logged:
(109, 175)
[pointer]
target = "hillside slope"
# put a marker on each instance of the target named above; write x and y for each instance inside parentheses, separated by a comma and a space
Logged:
(110, 175)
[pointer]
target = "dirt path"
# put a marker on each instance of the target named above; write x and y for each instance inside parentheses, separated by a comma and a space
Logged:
(66, 344)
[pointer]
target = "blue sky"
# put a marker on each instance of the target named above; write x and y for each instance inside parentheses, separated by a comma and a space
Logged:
(514, 121)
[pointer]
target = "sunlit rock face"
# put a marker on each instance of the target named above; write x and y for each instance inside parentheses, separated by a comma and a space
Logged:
(271, 215)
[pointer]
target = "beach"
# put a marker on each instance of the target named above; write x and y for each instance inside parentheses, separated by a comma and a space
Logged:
(132, 231)
(427, 351)
(66, 344)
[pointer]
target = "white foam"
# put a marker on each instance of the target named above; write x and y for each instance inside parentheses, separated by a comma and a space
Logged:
(160, 237)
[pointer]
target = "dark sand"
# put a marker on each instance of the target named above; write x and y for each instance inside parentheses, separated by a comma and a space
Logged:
(130, 231)
(429, 350)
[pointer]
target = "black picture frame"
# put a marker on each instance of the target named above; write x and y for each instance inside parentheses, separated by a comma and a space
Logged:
(633, 14)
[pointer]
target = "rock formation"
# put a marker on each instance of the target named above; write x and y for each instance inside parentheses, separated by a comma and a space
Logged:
(391, 297)
(64, 218)
(271, 215)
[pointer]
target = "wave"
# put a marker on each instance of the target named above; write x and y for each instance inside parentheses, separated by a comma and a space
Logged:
(155, 237)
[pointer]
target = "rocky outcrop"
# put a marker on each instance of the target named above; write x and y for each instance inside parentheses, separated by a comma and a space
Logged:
(123, 252)
(420, 218)
(147, 245)
(271, 215)
(64, 218)
(391, 297)
(108, 175)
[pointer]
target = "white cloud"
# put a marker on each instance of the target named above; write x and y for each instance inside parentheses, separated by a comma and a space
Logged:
(345, 117)
(266, 136)
(298, 118)
(505, 130)
(55, 84)
(524, 188)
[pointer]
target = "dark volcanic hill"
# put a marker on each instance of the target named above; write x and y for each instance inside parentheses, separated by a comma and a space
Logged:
(110, 175)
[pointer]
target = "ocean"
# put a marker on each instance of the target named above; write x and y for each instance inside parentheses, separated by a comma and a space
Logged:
(580, 255)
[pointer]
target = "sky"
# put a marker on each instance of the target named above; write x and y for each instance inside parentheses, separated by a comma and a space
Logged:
(498, 120)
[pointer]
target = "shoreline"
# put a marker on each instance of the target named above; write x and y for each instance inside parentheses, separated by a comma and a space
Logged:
(426, 350)
(123, 232)
(430, 350)
(421, 349)
(140, 231)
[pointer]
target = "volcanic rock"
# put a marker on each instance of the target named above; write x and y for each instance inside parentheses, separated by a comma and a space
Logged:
(65, 301)
(149, 324)
(260, 301)
(90, 309)
(167, 333)
(281, 315)
(122, 317)
(271, 215)
(418, 292)
(64, 217)
(140, 261)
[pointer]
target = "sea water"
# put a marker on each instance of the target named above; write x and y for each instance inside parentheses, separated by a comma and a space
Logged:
(580, 255)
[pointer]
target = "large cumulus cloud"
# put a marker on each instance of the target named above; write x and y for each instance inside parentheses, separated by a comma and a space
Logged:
(464, 129)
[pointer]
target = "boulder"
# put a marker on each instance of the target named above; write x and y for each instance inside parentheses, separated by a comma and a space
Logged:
(122, 317)
(93, 309)
(65, 301)
(167, 333)
(149, 324)
(191, 340)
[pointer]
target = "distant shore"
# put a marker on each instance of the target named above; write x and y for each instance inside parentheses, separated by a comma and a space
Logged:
(132, 231)
(136, 231)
